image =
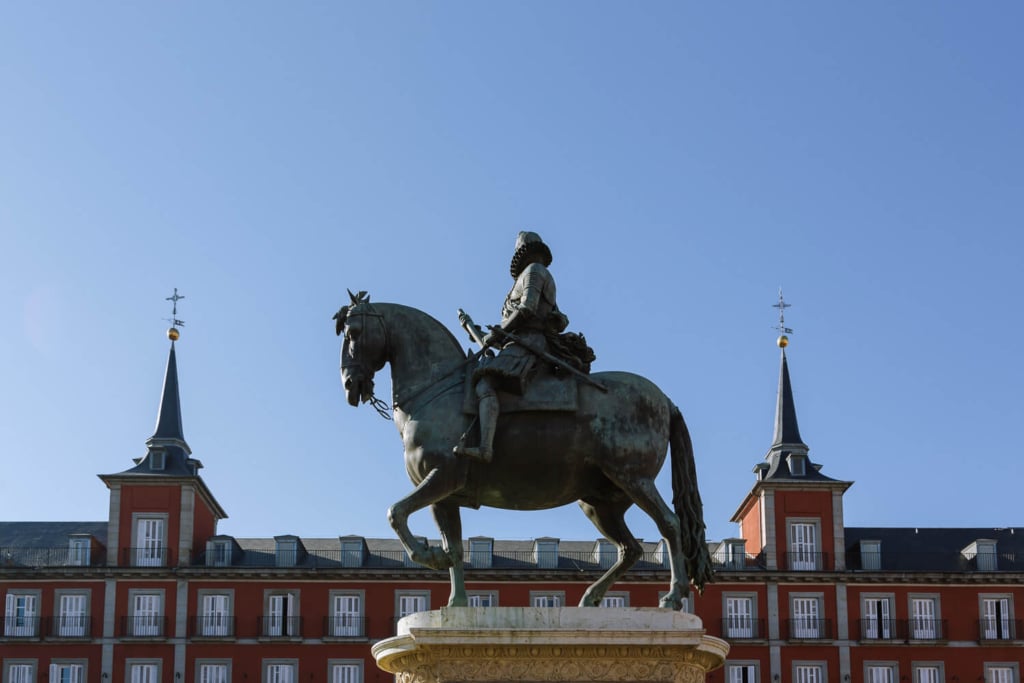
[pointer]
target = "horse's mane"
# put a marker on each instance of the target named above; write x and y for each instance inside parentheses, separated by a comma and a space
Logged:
(428, 320)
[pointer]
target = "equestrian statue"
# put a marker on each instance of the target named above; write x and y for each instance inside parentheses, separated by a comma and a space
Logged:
(527, 428)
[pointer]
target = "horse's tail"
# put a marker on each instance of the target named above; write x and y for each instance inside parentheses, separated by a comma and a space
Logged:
(687, 503)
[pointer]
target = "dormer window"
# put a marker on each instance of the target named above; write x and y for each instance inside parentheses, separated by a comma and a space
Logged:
(545, 552)
(157, 460)
(481, 551)
(219, 553)
(352, 551)
(982, 554)
(286, 551)
(870, 554)
(604, 553)
(78, 551)
(797, 465)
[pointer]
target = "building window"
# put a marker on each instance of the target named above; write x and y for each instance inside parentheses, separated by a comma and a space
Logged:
(481, 551)
(213, 671)
(927, 672)
(807, 621)
(21, 614)
(281, 619)
(877, 623)
(145, 616)
(280, 671)
(219, 553)
(808, 672)
(150, 541)
(741, 672)
(79, 551)
(483, 599)
(72, 615)
(215, 618)
(67, 671)
(545, 552)
(352, 552)
(871, 555)
(733, 554)
(156, 460)
(346, 619)
(345, 671)
(797, 465)
(547, 599)
(605, 553)
(924, 618)
(803, 546)
(613, 600)
(997, 618)
(143, 671)
(880, 672)
(19, 671)
(410, 602)
(981, 555)
(739, 619)
(1002, 672)
(287, 551)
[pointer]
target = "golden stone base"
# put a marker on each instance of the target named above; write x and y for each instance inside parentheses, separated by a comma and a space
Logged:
(535, 644)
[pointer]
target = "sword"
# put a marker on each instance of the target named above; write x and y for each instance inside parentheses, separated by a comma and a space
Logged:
(549, 357)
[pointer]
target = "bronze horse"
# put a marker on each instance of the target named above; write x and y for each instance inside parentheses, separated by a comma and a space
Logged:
(605, 456)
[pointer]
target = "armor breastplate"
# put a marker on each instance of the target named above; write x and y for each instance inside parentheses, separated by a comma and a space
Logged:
(533, 291)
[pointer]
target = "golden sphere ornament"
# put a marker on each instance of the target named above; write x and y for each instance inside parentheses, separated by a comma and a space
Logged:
(782, 341)
(173, 334)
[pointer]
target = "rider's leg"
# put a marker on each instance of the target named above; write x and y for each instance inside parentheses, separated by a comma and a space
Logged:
(488, 422)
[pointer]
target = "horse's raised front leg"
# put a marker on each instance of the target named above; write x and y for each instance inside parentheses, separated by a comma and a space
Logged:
(434, 487)
(609, 518)
(449, 523)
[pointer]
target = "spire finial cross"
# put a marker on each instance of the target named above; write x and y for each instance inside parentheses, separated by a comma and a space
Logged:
(782, 306)
(174, 299)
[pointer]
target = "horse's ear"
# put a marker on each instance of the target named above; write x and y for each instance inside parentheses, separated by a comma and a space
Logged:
(339, 318)
(353, 297)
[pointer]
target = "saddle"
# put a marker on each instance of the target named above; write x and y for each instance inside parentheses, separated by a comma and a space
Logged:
(547, 391)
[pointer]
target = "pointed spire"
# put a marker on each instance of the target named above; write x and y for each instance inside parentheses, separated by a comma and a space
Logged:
(168, 420)
(786, 430)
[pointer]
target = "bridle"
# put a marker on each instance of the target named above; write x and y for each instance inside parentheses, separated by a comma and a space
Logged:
(364, 310)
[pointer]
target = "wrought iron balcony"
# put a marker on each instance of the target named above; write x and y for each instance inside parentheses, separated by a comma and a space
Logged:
(16, 626)
(882, 629)
(998, 629)
(801, 561)
(212, 626)
(50, 557)
(79, 626)
(345, 626)
(803, 628)
(280, 627)
(919, 628)
(144, 626)
(743, 628)
(147, 557)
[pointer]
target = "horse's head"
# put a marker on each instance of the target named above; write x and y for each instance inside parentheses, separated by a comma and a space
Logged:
(364, 349)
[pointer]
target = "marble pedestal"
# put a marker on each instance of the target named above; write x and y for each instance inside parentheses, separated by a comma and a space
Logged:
(541, 644)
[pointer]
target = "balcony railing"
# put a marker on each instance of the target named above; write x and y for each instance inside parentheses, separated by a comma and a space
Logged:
(213, 626)
(743, 628)
(345, 626)
(147, 557)
(21, 627)
(144, 626)
(745, 563)
(919, 628)
(998, 629)
(803, 628)
(280, 627)
(50, 557)
(800, 561)
(79, 626)
(948, 561)
(882, 629)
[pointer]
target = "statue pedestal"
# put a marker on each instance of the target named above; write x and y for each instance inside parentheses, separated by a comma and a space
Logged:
(540, 644)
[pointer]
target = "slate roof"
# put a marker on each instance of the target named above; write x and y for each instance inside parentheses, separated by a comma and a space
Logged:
(934, 549)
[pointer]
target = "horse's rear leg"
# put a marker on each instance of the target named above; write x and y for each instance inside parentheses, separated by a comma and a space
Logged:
(646, 496)
(609, 518)
(449, 523)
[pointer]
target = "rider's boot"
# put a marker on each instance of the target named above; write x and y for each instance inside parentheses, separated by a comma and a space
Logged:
(488, 425)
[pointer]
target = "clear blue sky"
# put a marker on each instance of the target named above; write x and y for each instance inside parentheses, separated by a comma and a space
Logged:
(683, 160)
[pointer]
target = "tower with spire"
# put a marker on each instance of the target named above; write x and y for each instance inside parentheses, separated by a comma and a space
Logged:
(793, 516)
(161, 511)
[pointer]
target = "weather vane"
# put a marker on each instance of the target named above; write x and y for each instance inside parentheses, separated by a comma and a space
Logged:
(783, 340)
(173, 332)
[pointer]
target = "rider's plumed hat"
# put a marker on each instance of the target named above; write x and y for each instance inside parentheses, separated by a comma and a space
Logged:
(528, 244)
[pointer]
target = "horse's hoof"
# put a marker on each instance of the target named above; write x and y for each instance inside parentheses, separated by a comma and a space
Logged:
(671, 602)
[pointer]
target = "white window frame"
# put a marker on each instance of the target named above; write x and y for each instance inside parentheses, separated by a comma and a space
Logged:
(286, 552)
(72, 622)
(281, 617)
(145, 613)
(1002, 672)
(481, 553)
(881, 672)
(803, 541)
(346, 613)
(795, 462)
(995, 612)
(344, 671)
(870, 555)
(806, 611)
(742, 671)
(149, 539)
(918, 670)
(352, 552)
(548, 599)
(143, 670)
(216, 611)
(810, 672)
(21, 613)
(20, 670)
(739, 616)
(280, 670)
(545, 553)
(615, 600)
(921, 625)
(79, 551)
(68, 670)
(877, 610)
(404, 600)
(482, 598)
(213, 671)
